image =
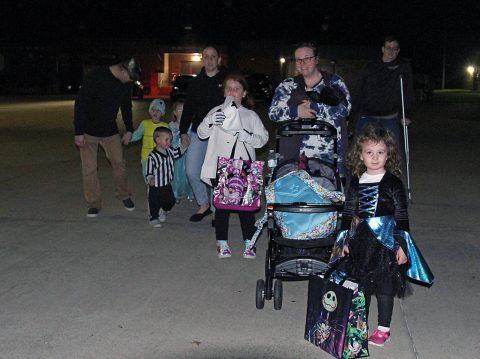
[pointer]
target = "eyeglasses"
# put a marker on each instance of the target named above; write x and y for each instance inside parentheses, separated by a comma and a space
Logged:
(305, 60)
(394, 49)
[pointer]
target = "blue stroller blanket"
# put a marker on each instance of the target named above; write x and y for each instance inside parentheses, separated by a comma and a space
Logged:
(298, 186)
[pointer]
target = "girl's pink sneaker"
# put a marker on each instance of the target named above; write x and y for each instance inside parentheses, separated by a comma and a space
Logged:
(379, 338)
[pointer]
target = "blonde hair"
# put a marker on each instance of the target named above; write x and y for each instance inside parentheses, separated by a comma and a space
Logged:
(175, 106)
(374, 134)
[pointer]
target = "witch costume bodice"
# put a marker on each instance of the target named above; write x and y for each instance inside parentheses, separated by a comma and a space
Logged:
(367, 199)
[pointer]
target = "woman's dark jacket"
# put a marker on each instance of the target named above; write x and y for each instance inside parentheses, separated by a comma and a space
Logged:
(203, 94)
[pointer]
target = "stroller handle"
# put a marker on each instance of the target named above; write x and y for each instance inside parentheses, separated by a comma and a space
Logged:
(307, 126)
(302, 207)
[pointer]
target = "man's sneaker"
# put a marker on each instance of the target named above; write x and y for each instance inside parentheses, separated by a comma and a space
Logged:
(223, 250)
(92, 212)
(155, 223)
(162, 215)
(129, 205)
(249, 252)
(379, 338)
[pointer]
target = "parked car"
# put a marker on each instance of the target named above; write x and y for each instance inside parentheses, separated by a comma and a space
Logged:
(71, 88)
(261, 87)
(180, 86)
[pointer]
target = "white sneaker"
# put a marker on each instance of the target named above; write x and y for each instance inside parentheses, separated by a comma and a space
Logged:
(155, 223)
(223, 249)
(250, 251)
(162, 215)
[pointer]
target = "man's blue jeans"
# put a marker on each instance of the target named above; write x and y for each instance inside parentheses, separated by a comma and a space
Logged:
(392, 124)
(194, 161)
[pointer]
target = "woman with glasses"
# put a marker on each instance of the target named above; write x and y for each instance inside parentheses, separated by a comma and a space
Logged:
(293, 100)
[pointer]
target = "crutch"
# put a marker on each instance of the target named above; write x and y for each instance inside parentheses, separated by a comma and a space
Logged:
(405, 142)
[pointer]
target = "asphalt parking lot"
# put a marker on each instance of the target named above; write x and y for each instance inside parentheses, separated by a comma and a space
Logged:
(113, 287)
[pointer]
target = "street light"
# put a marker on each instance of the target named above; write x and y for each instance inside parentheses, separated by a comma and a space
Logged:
(472, 70)
(282, 61)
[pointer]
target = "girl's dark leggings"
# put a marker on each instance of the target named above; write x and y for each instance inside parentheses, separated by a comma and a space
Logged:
(247, 223)
(385, 308)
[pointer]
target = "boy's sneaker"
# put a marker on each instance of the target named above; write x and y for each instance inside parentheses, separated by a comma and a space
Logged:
(379, 338)
(223, 249)
(155, 223)
(249, 252)
(92, 212)
(162, 215)
(128, 204)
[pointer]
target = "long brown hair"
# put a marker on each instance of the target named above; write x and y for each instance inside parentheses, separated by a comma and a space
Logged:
(374, 134)
(247, 101)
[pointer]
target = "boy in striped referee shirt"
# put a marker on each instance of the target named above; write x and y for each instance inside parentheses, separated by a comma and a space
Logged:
(159, 175)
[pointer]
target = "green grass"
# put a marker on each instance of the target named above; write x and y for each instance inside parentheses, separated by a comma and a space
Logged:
(456, 95)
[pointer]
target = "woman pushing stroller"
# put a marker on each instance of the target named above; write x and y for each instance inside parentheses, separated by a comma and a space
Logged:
(314, 94)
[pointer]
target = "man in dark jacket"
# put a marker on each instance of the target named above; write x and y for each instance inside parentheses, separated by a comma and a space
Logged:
(104, 91)
(204, 93)
(377, 93)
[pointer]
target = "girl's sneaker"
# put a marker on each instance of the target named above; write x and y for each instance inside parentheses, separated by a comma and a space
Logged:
(249, 252)
(379, 338)
(223, 249)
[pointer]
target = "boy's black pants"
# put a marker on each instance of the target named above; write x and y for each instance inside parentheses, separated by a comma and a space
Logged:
(160, 197)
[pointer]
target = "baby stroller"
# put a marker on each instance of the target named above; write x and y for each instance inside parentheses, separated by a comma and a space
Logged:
(295, 254)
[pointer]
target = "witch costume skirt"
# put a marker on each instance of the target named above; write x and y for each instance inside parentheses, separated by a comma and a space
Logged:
(373, 264)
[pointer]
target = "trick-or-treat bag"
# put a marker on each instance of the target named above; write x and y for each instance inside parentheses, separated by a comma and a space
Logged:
(239, 184)
(356, 338)
(336, 318)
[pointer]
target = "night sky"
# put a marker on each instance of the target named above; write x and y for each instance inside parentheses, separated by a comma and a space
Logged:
(425, 28)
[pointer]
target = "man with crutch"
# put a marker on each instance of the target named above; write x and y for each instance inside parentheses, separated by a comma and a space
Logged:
(383, 95)
(377, 98)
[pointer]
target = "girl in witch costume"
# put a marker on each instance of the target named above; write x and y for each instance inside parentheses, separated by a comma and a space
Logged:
(375, 227)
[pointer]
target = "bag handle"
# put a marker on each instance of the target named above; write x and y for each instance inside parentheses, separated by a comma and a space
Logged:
(334, 267)
(232, 154)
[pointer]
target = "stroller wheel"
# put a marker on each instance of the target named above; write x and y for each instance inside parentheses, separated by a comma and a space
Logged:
(277, 294)
(260, 294)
